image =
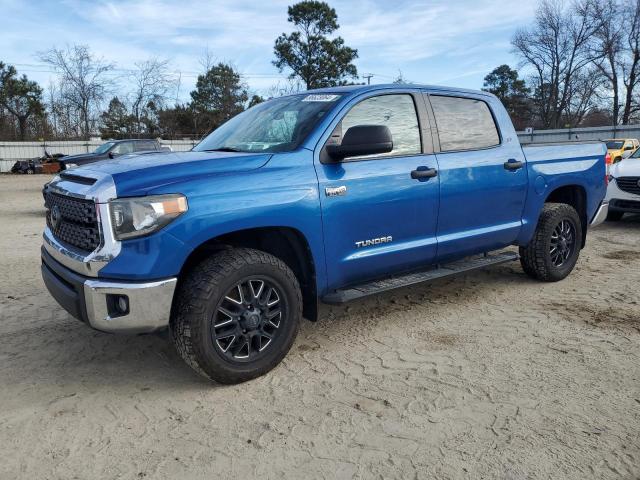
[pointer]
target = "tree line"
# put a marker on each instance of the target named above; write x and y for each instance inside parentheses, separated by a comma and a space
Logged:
(580, 64)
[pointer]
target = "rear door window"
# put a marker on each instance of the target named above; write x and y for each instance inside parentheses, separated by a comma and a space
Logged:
(464, 123)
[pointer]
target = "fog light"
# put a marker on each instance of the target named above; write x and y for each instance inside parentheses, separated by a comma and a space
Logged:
(123, 304)
(117, 305)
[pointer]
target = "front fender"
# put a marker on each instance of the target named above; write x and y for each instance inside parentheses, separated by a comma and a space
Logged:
(282, 194)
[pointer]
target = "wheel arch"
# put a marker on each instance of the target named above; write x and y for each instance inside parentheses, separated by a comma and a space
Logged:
(576, 196)
(286, 243)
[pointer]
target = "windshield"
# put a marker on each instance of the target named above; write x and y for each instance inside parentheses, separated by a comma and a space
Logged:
(614, 145)
(104, 147)
(278, 125)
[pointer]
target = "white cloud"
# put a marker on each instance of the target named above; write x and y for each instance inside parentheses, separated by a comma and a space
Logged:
(427, 39)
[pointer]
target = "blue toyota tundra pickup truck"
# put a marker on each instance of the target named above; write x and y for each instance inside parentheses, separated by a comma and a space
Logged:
(327, 195)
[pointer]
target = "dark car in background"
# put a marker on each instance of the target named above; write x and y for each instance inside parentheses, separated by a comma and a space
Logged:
(112, 149)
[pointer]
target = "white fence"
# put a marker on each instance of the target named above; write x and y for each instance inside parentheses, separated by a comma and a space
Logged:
(573, 134)
(12, 151)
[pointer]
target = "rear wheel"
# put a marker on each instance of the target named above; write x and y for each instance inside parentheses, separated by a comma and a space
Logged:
(554, 249)
(237, 315)
(614, 216)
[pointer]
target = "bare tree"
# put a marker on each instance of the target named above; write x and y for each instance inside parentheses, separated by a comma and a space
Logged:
(400, 78)
(584, 96)
(557, 47)
(151, 86)
(630, 16)
(84, 82)
(608, 47)
(287, 87)
(208, 60)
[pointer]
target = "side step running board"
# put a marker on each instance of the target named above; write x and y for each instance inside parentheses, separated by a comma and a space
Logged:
(377, 286)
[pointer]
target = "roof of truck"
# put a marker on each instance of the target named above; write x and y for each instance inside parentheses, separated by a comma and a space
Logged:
(386, 86)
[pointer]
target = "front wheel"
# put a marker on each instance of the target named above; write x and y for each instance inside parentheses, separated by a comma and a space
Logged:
(236, 315)
(555, 246)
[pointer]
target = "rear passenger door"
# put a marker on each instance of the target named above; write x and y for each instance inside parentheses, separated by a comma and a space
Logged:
(483, 175)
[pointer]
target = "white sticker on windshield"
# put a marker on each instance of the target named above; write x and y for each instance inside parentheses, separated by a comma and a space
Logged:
(320, 98)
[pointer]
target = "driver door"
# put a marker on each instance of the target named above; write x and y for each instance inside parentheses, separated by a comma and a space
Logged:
(377, 219)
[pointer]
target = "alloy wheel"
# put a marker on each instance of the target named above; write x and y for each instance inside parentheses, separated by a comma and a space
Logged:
(248, 319)
(563, 241)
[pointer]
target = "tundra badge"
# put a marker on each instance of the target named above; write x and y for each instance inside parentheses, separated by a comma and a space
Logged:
(335, 191)
(374, 241)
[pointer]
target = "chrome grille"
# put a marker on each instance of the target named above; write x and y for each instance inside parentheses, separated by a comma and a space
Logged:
(629, 184)
(73, 220)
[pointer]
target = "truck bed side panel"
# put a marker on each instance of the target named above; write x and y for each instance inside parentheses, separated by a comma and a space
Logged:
(558, 165)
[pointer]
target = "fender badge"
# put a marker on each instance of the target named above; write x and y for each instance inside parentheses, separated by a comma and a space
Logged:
(335, 191)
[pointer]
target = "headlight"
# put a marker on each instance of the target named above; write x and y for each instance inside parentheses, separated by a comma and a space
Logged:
(136, 217)
(70, 165)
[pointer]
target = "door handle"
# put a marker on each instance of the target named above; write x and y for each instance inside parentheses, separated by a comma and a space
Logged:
(513, 164)
(424, 173)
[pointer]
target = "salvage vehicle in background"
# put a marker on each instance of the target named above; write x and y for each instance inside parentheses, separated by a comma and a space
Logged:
(27, 167)
(623, 193)
(112, 149)
(329, 195)
(46, 164)
(618, 147)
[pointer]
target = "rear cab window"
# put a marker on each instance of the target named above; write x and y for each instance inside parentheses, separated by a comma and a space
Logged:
(464, 123)
(145, 146)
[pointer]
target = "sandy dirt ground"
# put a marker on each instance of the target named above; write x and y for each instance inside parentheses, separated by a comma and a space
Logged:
(487, 375)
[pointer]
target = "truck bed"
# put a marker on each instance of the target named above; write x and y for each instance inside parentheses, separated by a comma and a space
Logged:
(549, 152)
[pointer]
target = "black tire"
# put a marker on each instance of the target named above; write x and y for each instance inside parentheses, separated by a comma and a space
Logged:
(30, 171)
(614, 216)
(200, 299)
(539, 260)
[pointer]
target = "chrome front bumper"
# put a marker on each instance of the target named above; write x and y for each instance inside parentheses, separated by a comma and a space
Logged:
(94, 301)
(601, 214)
(149, 305)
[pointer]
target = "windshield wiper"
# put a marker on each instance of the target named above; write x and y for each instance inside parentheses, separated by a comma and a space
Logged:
(223, 149)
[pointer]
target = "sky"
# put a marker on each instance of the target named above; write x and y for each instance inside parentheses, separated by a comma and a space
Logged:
(443, 42)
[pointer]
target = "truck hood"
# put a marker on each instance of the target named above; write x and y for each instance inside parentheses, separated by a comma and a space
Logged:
(137, 175)
(82, 156)
(629, 167)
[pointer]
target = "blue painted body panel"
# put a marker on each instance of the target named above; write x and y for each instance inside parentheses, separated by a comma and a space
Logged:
(481, 203)
(474, 205)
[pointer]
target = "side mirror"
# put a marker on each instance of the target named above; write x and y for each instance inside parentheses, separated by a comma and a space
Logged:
(112, 155)
(362, 140)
